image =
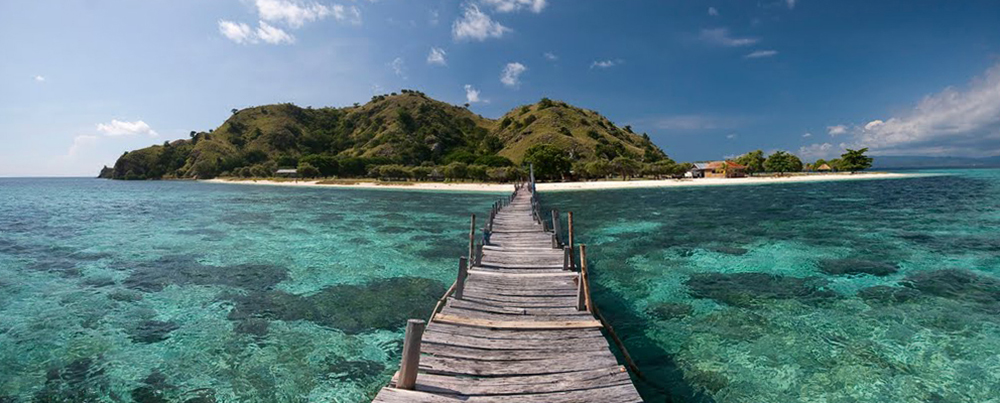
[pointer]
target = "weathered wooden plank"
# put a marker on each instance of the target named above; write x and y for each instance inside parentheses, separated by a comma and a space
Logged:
(514, 324)
(531, 384)
(570, 362)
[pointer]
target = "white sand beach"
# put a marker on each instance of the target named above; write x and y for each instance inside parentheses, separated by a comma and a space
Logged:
(574, 186)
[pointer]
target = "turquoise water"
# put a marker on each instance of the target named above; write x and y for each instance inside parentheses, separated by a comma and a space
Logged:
(178, 291)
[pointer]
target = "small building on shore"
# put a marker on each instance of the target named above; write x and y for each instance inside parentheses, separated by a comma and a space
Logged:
(824, 168)
(718, 169)
(287, 173)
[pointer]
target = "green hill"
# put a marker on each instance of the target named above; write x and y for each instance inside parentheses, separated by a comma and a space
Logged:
(398, 130)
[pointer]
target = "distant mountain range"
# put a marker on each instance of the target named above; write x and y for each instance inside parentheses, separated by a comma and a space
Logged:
(885, 162)
(408, 128)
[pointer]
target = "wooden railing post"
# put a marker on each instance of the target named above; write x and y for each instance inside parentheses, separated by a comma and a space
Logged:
(557, 227)
(581, 293)
(472, 237)
(463, 273)
(479, 254)
(411, 354)
(585, 276)
(569, 240)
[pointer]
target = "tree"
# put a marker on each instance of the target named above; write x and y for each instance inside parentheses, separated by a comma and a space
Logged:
(754, 161)
(550, 162)
(326, 164)
(306, 170)
(456, 170)
(626, 167)
(855, 160)
(234, 111)
(598, 169)
(782, 161)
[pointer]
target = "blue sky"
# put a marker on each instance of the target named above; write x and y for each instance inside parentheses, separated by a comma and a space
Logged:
(83, 81)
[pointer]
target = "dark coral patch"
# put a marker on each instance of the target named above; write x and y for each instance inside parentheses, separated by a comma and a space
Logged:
(381, 304)
(745, 289)
(730, 250)
(958, 285)
(152, 331)
(850, 267)
(79, 381)
(184, 270)
(355, 370)
(154, 389)
(888, 295)
(669, 310)
(252, 326)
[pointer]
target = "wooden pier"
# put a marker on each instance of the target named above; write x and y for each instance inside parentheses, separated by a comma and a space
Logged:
(518, 324)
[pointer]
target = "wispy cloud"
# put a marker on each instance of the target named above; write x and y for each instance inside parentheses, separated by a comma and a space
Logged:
(125, 128)
(81, 143)
(471, 94)
(721, 37)
(273, 35)
(952, 122)
(437, 56)
(506, 6)
(713, 11)
(348, 14)
(550, 56)
(836, 130)
(757, 54)
(807, 135)
(813, 152)
(399, 67)
(236, 31)
(604, 64)
(476, 25)
(39, 79)
(791, 3)
(511, 74)
(293, 14)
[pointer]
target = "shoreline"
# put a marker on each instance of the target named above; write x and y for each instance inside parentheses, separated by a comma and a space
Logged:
(573, 186)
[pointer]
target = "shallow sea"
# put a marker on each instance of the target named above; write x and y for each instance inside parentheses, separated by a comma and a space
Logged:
(850, 291)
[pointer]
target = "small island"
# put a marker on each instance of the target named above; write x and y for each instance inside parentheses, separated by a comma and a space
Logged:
(409, 140)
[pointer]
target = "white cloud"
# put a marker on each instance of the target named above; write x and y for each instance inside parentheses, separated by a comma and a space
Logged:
(731, 136)
(550, 56)
(757, 54)
(721, 37)
(506, 6)
(81, 143)
(604, 64)
(124, 128)
(236, 32)
(476, 25)
(791, 3)
(434, 17)
(350, 14)
(273, 35)
(713, 11)
(813, 152)
(39, 79)
(292, 13)
(398, 67)
(437, 57)
(873, 125)
(471, 94)
(511, 75)
(807, 135)
(836, 130)
(953, 122)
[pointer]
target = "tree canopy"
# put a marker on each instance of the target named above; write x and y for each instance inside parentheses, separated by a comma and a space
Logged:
(855, 160)
(550, 162)
(782, 161)
(754, 161)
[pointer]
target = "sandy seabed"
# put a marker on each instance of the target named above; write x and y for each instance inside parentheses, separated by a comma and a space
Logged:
(566, 186)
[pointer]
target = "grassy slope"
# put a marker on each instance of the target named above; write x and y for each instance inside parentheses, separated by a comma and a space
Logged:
(409, 128)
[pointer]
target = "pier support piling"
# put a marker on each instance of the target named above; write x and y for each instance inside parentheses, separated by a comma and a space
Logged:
(411, 354)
